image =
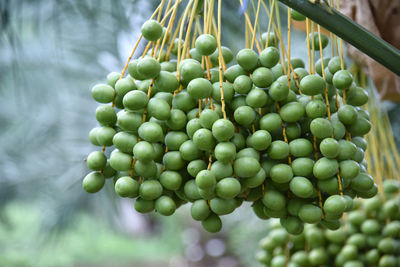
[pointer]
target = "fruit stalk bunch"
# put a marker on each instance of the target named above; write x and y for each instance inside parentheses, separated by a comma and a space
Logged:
(260, 130)
(369, 237)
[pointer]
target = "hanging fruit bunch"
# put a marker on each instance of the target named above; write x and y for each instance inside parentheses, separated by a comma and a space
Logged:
(370, 237)
(192, 122)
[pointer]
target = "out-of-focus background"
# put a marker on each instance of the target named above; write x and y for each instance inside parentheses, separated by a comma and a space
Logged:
(51, 53)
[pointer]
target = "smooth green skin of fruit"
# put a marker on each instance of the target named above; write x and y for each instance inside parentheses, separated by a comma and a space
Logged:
(347, 150)
(127, 187)
(190, 70)
(152, 30)
(96, 161)
(144, 206)
(272, 39)
(227, 89)
(112, 78)
(228, 188)
(270, 122)
(206, 44)
(244, 115)
(293, 225)
(133, 72)
(300, 257)
(325, 168)
(189, 151)
(169, 66)
(173, 140)
(103, 93)
(234, 71)
(300, 147)
(212, 224)
(238, 101)
(150, 190)
(302, 167)
(223, 130)
(166, 82)
(297, 15)
(93, 182)
(357, 96)
(147, 169)
(226, 54)
(257, 98)
(329, 148)
(221, 170)
(238, 140)
(247, 59)
(292, 112)
(281, 173)
(256, 180)
(360, 127)
(246, 167)
(329, 185)
(144, 86)
(144, 151)
(195, 166)
(183, 101)
(171, 180)
(269, 57)
(316, 109)
(200, 210)
(335, 204)
(129, 121)
(248, 152)
(262, 77)
(321, 128)
(159, 109)
(173, 161)
(278, 150)
(206, 180)
(372, 256)
(277, 70)
(312, 85)
(204, 139)
(274, 200)
(334, 65)
(278, 91)
(124, 85)
(93, 136)
(301, 187)
(225, 151)
(165, 205)
(108, 171)
(135, 100)
(318, 65)
(339, 130)
(208, 117)
(349, 169)
(151, 132)
(362, 182)
(370, 227)
(195, 54)
(347, 114)
(120, 161)
(324, 41)
(242, 84)
(260, 140)
(177, 120)
(342, 80)
(309, 213)
(105, 115)
(199, 88)
(222, 206)
(148, 67)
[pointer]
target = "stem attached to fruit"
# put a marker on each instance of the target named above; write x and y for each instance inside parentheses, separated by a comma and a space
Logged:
(351, 32)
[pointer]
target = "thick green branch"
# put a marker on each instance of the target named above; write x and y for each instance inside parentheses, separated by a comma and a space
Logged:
(349, 31)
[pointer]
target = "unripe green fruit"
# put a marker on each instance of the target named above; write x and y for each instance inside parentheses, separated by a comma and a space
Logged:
(247, 59)
(360, 127)
(244, 115)
(208, 117)
(173, 161)
(312, 85)
(144, 206)
(278, 91)
(135, 100)
(143, 151)
(96, 161)
(334, 64)
(151, 132)
(204, 139)
(148, 67)
(177, 120)
(274, 200)
(147, 169)
(293, 225)
(257, 98)
(166, 82)
(262, 77)
(150, 190)
(325, 168)
(321, 128)
(223, 130)
(270, 122)
(254, 181)
(222, 206)
(152, 30)
(171, 180)
(278, 150)
(205, 180)
(260, 140)
(301, 187)
(206, 44)
(342, 80)
(225, 151)
(104, 136)
(292, 112)
(127, 187)
(316, 109)
(347, 114)
(165, 205)
(303, 167)
(190, 69)
(357, 96)
(199, 88)
(93, 182)
(349, 169)
(226, 54)
(120, 161)
(173, 140)
(112, 78)
(269, 57)
(129, 121)
(227, 89)
(212, 224)
(316, 40)
(105, 115)
(300, 147)
(246, 167)
(234, 71)
(103, 93)
(335, 204)
(329, 147)
(228, 188)
(309, 213)
(281, 173)
(200, 210)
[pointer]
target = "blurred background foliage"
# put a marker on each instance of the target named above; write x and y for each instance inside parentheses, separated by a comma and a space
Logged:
(51, 53)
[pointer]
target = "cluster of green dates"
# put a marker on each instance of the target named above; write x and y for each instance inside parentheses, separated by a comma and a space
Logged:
(172, 144)
(369, 237)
